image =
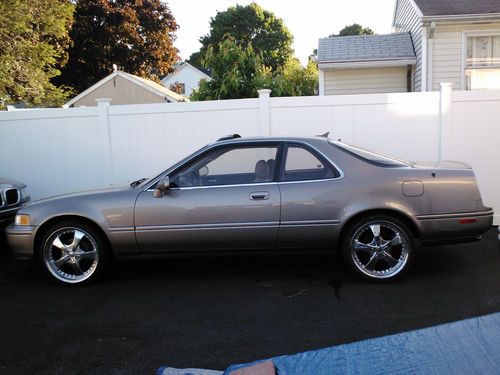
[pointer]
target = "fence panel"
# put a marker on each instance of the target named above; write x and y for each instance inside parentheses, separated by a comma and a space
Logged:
(62, 150)
(54, 151)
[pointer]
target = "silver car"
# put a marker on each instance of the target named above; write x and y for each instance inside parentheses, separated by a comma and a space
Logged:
(13, 194)
(260, 193)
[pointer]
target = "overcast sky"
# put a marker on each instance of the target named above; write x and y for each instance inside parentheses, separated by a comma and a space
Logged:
(307, 20)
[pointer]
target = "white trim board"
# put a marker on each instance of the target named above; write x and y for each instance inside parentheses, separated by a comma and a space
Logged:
(367, 64)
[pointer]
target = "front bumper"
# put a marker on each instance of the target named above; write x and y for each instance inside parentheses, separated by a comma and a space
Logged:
(21, 241)
(8, 214)
(460, 227)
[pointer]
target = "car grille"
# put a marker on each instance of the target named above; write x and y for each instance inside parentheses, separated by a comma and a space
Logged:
(12, 196)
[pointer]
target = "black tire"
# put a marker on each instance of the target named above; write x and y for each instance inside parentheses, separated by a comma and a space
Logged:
(66, 264)
(382, 260)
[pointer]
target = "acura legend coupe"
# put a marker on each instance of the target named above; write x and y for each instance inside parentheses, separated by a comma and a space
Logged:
(247, 194)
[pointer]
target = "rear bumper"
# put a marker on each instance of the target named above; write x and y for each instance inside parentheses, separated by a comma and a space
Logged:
(452, 228)
(21, 241)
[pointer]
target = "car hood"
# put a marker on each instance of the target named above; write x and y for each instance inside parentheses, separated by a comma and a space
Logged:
(87, 193)
(8, 181)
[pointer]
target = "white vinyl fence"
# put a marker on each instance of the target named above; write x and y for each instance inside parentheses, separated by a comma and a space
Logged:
(68, 149)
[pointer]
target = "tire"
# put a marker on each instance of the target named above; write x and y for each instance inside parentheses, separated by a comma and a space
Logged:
(378, 248)
(66, 262)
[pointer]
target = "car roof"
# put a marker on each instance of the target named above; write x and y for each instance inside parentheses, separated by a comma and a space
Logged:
(236, 140)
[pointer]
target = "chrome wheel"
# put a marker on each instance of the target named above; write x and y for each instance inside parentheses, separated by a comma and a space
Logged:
(71, 255)
(380, 249)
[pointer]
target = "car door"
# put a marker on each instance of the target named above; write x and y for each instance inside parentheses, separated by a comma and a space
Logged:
(311, 205)
(226, 198)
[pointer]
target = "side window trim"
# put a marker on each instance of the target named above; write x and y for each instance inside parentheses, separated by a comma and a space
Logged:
(268, 144)
(338, 172)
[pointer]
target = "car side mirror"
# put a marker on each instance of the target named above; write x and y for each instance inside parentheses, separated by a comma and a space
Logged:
(161, 187)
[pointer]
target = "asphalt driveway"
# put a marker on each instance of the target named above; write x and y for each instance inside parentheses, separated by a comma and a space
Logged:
(211, 312)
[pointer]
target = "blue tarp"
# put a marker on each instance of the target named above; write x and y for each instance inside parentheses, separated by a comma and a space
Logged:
(164, 370)
(469, 346)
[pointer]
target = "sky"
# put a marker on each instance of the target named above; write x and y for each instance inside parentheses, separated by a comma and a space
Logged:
(307, 20)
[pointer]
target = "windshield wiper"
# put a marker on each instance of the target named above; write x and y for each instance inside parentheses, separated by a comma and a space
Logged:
(137, 182)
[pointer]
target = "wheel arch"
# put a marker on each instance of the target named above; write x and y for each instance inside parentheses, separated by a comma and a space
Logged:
(405, 219)
(58, 219)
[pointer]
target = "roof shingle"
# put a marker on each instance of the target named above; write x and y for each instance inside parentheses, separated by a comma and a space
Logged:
(366, 47)
(456, 7)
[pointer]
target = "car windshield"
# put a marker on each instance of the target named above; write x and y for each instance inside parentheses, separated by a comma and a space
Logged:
(370, 156)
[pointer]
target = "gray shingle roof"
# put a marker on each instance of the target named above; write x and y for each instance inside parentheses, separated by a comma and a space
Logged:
(455, 7)
(366, 47)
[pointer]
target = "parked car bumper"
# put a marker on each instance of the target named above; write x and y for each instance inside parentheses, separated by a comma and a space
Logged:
(8, 214)
(449, 228)
(21, 241)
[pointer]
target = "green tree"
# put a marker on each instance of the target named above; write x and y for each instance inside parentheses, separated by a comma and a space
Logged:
(354, 29)
(33, 40)
(295, 80)
(236, 72)
(136, 35)
(268, 34)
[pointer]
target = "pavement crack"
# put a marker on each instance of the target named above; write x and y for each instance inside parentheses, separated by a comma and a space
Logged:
(297, 293)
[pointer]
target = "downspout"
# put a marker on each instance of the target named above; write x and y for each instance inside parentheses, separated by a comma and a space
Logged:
(409, 71)
(430, 49)
(423, 61)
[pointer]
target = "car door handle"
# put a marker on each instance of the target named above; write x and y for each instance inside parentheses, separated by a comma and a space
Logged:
(259, 195)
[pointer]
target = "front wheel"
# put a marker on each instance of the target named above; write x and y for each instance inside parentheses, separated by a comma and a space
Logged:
(72, 253)
(378, 248)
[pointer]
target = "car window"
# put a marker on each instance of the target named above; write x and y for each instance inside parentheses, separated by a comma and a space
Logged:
(301, 164)
(229, 166)
(370, 156)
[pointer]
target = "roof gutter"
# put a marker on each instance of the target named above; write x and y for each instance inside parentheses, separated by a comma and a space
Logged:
(461, 18)
(376, 63)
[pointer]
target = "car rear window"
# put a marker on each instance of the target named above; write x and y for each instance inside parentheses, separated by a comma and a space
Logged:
(370, 156)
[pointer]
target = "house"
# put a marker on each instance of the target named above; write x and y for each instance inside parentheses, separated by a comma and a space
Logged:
(366, 64)
(124, 88)
(187, 76)
(454, 41)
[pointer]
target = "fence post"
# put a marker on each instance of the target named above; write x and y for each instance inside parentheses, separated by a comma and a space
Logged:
(264, 103)
(102, 112)
(444, 114)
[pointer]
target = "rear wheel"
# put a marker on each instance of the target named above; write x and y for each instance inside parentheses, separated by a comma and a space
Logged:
(378, 248)
(73, 253)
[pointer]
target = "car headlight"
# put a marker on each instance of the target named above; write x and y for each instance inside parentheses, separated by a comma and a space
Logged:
(22, 219)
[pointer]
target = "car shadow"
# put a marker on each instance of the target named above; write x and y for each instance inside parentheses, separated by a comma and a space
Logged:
(307, 266)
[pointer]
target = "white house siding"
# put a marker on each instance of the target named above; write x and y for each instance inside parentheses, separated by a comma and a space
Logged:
(448, 53)
(189, 76)
(407, 19)
(365, 80)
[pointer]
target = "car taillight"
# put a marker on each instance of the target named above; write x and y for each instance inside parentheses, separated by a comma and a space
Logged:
(467, 221)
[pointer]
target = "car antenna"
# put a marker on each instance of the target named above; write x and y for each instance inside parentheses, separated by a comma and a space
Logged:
(325, 135)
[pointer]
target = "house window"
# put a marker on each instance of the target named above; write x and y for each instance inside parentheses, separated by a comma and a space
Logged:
(178, 87)
(482, 66)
